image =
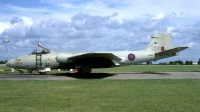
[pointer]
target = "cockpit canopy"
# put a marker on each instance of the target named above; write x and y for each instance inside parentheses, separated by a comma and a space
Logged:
(44, 49)
(34, 52)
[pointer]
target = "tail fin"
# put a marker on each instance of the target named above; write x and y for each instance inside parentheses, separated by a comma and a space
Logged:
(160, 43)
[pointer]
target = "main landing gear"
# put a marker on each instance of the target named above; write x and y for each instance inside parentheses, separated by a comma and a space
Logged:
(82, 69)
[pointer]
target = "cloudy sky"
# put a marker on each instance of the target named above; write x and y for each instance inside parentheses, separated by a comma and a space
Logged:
(98, 25)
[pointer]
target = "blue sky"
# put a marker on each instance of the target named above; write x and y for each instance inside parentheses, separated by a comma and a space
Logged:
(98, 25)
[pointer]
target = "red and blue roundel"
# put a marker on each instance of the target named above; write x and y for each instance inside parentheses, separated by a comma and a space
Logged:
(131, 57)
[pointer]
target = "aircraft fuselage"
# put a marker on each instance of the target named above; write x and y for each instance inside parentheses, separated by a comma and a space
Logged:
(50, 59)
(160, 47)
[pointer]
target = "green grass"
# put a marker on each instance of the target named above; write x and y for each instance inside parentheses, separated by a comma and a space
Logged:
(101, 95)
(152, 68)
(135, 68)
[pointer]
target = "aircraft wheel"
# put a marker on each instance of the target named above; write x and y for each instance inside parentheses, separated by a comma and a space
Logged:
(42, 73)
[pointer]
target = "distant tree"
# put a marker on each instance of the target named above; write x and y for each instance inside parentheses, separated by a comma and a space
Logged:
(180, 62)
(176, 63)
(171, 63)
(198, 62)
(191, 62)
(187, 63)
(1, 62)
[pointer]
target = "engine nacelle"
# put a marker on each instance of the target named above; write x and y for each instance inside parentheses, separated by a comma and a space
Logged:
(62, 58)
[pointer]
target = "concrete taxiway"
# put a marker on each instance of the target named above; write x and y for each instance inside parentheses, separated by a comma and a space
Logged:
(132, 75)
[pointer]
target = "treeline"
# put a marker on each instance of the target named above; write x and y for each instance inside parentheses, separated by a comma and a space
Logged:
(179, 62)
(3, 62)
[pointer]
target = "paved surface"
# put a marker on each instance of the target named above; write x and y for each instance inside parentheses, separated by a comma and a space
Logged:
(132, 75)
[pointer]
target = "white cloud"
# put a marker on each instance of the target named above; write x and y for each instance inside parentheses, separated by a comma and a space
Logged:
(170, 28)
(127, 8)
(84, 26)
(24, 43)
(159, 16)
(131, 34)
(3, 26)
(101, 25)
(27, 21)
(191, 44)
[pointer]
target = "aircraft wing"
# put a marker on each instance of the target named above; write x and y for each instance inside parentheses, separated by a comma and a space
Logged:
(94, 55)
(96, 59)
(171, 51)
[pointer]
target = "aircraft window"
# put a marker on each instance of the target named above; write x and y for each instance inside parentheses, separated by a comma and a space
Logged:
(19, 60)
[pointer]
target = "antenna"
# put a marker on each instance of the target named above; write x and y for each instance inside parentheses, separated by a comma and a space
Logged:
(6, 41)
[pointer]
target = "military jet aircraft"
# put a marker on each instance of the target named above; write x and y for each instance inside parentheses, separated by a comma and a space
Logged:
(160, 47)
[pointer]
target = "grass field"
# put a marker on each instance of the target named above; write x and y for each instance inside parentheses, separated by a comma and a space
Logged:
(134, 68)
(101, 95)
(152, 68)
(152, 95)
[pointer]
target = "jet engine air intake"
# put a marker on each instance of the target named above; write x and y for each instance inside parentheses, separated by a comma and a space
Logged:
(62, 58)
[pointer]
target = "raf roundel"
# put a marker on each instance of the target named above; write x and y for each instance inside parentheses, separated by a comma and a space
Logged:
(131, 57)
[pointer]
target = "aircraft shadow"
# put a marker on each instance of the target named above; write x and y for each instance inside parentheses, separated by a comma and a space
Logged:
(86, 76)
(103, 75)
(91, 75)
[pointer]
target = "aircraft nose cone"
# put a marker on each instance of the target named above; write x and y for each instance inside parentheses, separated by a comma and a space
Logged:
(10, 63)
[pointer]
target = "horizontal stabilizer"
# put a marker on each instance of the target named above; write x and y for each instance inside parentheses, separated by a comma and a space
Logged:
(171, 51)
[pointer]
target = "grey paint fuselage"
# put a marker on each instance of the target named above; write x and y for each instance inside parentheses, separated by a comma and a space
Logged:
(29, 61)
(160, 47)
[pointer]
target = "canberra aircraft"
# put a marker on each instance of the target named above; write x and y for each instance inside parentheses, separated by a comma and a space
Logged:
(160, 47)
